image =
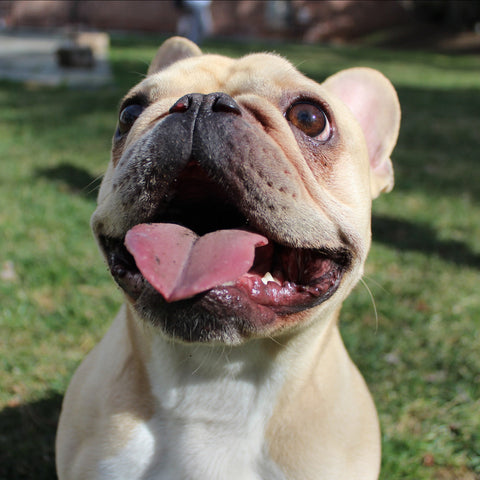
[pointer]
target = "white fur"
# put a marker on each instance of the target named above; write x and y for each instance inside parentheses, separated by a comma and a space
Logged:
(133, 460)
(210, 402)
(212, 407)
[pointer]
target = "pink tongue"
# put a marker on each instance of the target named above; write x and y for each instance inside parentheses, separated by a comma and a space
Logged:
(179, 264)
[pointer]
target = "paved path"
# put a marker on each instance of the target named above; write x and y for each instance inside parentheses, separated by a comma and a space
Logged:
(31, 57)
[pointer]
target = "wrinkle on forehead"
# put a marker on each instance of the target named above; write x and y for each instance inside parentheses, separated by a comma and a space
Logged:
(192, 75)
(263, 74)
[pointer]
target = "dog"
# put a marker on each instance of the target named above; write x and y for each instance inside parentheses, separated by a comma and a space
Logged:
(235, 217)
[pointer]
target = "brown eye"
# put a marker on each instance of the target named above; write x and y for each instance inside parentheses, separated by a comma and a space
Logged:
(128, 116)
(310, 119)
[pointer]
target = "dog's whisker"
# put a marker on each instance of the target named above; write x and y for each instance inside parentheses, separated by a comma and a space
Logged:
(299, 64)
(378, 284)
(204, 360)
(139, 74)
(274, 340)
(93, 186)
(373, 302)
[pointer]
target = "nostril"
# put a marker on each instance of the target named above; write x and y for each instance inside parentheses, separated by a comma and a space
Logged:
(225, 103)
(181, 105)
(218, 102)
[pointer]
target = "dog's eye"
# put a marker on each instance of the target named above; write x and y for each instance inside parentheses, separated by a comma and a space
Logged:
(128, 116)
(310, 119)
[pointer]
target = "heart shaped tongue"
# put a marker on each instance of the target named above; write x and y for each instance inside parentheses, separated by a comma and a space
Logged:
(179, 264)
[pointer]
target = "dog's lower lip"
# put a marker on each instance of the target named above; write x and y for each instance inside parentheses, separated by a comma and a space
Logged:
(289, 279)
(287, 296)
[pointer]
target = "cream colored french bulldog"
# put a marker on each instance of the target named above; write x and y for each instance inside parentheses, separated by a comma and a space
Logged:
(235, 217)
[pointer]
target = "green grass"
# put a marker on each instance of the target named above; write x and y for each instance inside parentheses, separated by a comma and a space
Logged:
(421, 356)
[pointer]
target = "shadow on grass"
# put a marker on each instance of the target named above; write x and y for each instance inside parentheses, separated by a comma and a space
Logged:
(405, 235)
(77, 180)
(437, 151)
(27, 439)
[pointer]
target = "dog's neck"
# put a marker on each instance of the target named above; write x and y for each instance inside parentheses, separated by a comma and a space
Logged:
(216, 385)
(218, 397)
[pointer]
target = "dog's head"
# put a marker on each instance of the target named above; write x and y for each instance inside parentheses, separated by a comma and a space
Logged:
(237, 200)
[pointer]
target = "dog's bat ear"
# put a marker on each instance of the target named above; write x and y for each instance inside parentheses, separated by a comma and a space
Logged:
(374, 103)
(172, 50)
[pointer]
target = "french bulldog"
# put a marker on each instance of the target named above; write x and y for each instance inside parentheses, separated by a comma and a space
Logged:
(235, 217)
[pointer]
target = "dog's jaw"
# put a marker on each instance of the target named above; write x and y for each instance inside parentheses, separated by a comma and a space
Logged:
(281, 282)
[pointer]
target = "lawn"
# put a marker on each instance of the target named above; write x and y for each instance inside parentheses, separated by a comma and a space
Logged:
(417, 344)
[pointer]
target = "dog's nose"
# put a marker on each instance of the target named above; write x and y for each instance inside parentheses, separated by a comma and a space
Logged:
(225, 103)
(216, 102)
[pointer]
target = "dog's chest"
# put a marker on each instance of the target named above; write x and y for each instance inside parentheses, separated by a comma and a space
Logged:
(195, 452)
(173, 448)
(202, 429)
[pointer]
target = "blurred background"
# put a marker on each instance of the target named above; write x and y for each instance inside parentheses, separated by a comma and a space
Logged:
(301, 20)
(412, 326)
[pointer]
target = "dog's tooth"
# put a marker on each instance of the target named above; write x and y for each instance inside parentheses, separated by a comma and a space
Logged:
(268, 278)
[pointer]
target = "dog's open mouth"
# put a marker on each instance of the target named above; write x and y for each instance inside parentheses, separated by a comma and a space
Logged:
(201, 244)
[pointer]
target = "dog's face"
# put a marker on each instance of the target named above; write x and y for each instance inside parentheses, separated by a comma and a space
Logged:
(237, 200)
